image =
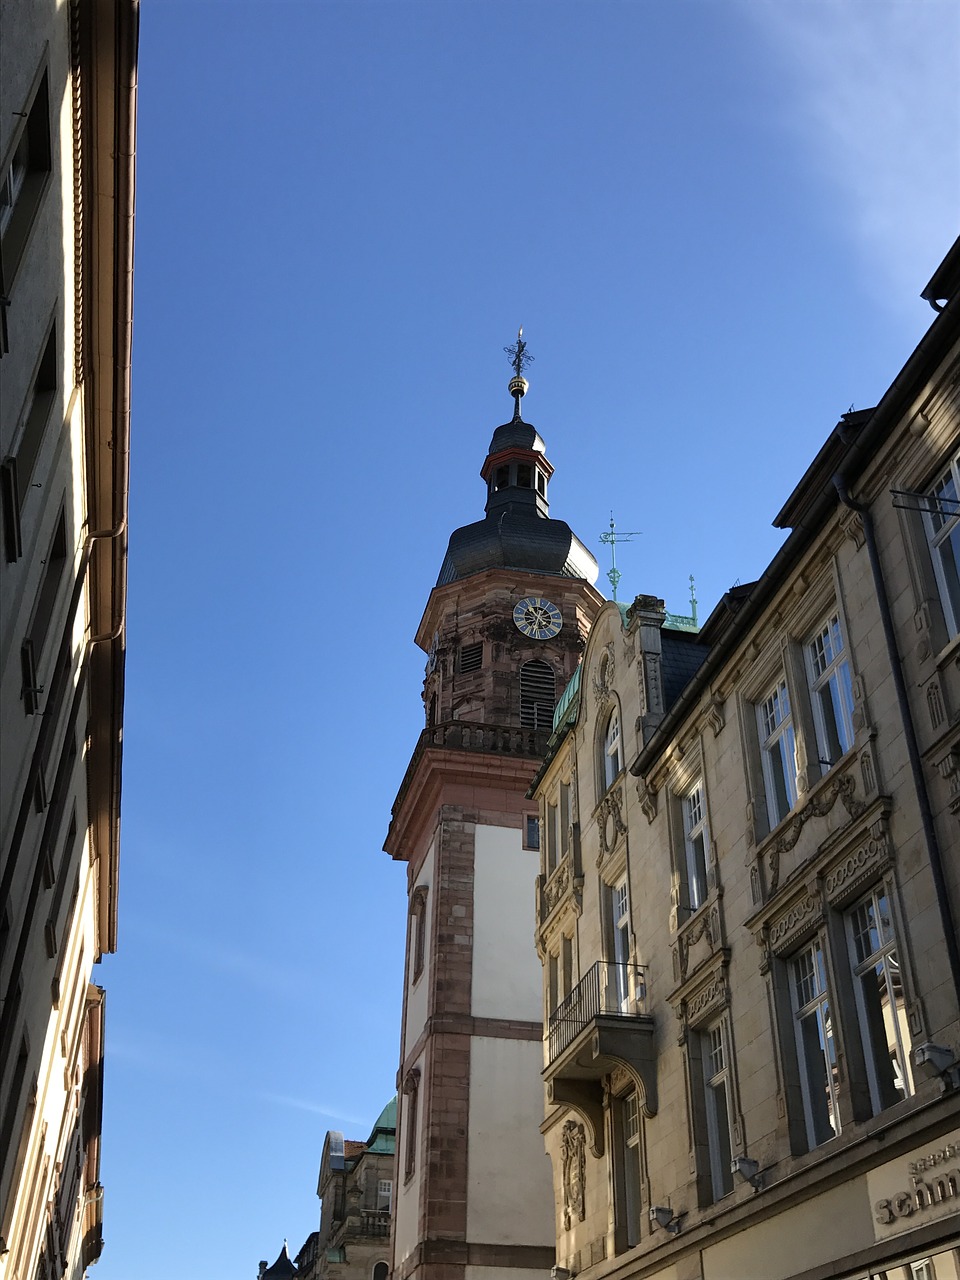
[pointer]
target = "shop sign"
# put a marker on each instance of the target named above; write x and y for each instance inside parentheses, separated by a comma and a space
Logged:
(915, 1189)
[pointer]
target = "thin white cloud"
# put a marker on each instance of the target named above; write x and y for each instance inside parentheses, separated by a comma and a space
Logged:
(315, 1108)
(872, 97)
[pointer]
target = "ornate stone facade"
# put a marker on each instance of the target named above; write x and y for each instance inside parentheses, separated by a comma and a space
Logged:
(782, 882)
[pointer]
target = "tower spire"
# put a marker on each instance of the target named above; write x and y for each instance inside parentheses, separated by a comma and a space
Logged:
(519, 359)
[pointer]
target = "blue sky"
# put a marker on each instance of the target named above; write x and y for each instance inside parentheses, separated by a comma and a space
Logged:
(713, 221)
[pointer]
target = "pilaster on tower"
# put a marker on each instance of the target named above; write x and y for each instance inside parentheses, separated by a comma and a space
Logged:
(503, 630)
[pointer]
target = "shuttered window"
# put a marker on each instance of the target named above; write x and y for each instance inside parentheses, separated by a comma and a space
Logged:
(471, 658)
(538, 695)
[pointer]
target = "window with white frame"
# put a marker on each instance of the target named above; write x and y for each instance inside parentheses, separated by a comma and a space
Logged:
(716, 1088)
(881, 1007)
(627, 1203)
(695, 837)
(617, 987)
(831, 689)
(942, 523)
(612, 760)
(816, 1045)
(778, 750)
(384, 1194)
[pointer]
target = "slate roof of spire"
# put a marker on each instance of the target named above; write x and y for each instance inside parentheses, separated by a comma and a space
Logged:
(281, 1268)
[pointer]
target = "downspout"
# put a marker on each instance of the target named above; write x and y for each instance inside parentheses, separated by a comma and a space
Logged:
(934, 853)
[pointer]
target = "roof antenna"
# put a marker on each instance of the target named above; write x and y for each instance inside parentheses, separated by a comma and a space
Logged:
(520, 358)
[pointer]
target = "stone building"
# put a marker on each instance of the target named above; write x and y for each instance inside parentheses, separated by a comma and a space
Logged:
(356, 1193)
(503, 631)
(750, 887)
(67, 110)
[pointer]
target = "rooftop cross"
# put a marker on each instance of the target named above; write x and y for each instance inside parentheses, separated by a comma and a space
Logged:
(519, 359)
(612, 538)
(519, 356)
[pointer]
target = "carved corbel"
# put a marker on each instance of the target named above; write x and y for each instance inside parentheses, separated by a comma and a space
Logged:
(585, 1097)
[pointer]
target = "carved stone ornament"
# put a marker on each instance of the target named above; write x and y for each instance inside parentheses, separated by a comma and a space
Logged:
(704, 1003)
(705, 927)
(841, 788)
(573, 1161)
(556, 887)
(779, 936)
(603, 676)
(610, 823)
(948, 767)
(648, 799)
(865, 862)
(714, 714)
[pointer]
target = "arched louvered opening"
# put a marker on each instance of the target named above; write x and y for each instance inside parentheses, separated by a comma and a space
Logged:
(538, 695)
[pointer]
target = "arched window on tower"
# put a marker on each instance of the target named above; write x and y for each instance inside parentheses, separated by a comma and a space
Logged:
(538, 695)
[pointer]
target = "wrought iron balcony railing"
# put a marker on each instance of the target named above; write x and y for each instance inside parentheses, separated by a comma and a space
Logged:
(609, 990)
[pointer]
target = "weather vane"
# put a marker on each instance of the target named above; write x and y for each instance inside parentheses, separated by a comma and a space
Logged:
(520, 358)
(612, 538)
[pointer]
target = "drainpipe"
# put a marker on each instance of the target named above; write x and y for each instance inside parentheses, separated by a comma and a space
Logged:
(934, 853)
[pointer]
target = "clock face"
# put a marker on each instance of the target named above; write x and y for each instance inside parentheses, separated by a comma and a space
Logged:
(537, 618)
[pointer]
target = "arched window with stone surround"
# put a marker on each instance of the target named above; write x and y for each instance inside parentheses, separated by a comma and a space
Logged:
(611, 750)
(418, 929)
(538, 694)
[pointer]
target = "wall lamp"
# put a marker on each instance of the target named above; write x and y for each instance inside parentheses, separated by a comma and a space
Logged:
(666, 1218)
(748, 1170)
(935, 1060)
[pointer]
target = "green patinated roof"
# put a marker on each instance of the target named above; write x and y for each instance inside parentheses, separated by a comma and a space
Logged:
(384, 1135)
(569, 700)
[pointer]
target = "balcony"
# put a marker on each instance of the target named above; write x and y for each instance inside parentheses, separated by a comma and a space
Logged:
(468, 735)
(601, 1027)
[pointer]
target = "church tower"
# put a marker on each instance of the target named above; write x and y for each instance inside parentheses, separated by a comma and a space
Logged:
(503, 631)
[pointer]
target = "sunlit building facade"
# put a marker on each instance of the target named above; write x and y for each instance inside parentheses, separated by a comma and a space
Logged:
(502, 632)
(67, 111)
(750, 888)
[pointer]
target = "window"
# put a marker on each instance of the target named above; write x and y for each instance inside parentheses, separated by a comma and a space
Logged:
(22, 182)
(778, 752)
(618, 946)
(384, 1194)
(612, 759)
(816, 1047)
(418, 929)
(538, 696)
(881, 1011)
(411, 1091)
(471, 658)
(531, 831)
(832, 692)
(716, 1088)
(552, 837)
(381, 1271)
(627, 1172)
(559, 974)
(694, 844)
(566, 819)
(942, 522)
(16, 473)
(31, 650)
(524, 476)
